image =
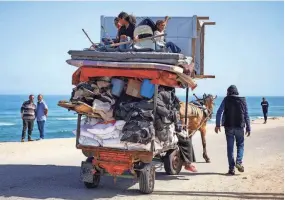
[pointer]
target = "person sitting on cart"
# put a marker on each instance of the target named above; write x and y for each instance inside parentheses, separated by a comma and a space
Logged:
(186, 151)
(126, 31)
(108, 41)
(160, 41)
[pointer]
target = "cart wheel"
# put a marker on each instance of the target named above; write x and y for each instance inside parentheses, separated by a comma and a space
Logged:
(147, 179)
(96, 181)
(172, 162)
(96, 178)
(87, 153)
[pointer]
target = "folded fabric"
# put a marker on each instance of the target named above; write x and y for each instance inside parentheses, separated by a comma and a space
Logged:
(111, 135)
(91, 121)
(106, 116)
(88, 141)
(101, 129)
(120, 124)
(138, 146)
(84, 132)
(99, 105)
(112, 141)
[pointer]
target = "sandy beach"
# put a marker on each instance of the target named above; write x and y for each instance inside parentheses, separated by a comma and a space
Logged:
(49, 169)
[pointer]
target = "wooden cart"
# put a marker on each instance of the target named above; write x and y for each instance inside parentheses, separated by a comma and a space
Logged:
(129, 163)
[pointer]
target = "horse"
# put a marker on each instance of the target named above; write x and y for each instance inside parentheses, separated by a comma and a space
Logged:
(197, 117)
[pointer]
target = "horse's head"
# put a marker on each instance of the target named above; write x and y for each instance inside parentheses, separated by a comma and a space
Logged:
(208, 101)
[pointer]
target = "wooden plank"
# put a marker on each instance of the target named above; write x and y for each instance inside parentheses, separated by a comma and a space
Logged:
(203, 18)
(202, 47)
(204, 76)
(209, 23)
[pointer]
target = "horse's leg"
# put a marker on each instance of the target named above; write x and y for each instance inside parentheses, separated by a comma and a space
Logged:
(203, 137)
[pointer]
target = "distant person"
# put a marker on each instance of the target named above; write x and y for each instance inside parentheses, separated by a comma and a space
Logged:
(234, 113)
(28, 114)
(265, 105)
(160, 26)
(41, 113)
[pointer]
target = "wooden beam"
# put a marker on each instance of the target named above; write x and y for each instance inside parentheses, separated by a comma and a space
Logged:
(205, 76)
(202, 46)
(209, 23)
(203, 18)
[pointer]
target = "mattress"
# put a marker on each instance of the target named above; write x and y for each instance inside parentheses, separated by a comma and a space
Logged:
(137, 65)
(128, 55)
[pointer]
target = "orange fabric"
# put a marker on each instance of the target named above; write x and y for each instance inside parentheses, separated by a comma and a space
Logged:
(159, 77)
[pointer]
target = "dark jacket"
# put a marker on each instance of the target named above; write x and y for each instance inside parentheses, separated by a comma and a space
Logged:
(235, 113)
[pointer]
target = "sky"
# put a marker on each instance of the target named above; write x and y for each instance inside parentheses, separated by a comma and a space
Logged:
(244, 48)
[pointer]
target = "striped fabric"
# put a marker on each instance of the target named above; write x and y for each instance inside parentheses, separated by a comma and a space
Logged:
(28, 110)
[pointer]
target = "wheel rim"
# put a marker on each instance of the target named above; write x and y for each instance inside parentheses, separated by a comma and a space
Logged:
(175, 162)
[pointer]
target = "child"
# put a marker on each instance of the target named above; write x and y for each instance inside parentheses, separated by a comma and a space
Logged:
(160, 26)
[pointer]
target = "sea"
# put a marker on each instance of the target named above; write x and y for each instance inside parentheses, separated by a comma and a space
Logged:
(61, 122)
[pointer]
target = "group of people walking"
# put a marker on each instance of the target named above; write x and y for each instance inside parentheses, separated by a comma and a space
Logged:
(31, 112)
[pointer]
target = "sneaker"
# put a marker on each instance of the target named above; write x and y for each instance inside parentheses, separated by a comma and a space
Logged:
(30, 140)
(240, 167)
(22, 140)
(231, 172)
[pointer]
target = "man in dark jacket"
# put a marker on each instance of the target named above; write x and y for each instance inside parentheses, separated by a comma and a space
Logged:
(264, 105)
(235, 119)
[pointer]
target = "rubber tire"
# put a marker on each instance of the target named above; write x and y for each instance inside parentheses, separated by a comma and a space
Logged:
(95, 184)
(86, 154)
(170, 169)
(96, 178)
(147, 179)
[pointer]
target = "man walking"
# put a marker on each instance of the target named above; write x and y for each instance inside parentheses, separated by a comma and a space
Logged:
(28, 114)
(235, 118)
(42, 111)
(264, 105)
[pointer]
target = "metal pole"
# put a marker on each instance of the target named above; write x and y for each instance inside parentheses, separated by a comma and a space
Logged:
(78, 129)
(152, 146)
(186, 107)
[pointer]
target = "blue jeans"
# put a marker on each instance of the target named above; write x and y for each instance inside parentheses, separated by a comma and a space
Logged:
(41, 127)
(232, 135)
(173, 47)
(125, 46)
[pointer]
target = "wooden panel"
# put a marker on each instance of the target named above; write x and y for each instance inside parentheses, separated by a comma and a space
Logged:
(209, 23)
(203, 18)
(202, 41)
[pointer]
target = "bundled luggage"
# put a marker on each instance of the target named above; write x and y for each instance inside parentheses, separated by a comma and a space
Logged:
(119, 113)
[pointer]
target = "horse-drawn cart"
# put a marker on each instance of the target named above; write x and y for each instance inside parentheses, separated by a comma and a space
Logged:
(156, 69)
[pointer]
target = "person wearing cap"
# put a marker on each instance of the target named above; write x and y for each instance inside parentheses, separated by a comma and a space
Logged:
(234, 113)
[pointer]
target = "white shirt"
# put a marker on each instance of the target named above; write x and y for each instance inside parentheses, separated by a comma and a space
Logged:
(159, 40)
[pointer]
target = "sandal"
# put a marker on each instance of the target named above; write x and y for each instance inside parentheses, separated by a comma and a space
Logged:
(191, 168)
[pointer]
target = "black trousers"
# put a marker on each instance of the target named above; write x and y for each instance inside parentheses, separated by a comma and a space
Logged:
(265, 113)
(30, 125)
(186, 149)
